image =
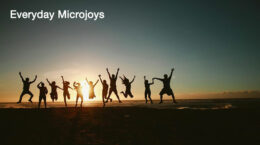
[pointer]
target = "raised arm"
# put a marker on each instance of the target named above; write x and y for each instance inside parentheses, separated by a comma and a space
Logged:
(171, 73)
(96, 83)
(59, 87)
(157, 79)
(87, 80)
(34, 79)
(62, 79)
(38, 86)
(74, 85)
(144, 78)
(151, 82)
(100, 79)
(20, 74)
(132, 80)
(121, 78)
(108, 74)
(48, 82)
(117, 73)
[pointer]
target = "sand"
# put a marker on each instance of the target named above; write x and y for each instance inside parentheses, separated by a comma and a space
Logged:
(129, 125)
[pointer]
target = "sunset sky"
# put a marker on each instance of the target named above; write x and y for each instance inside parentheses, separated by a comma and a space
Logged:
(213, 45)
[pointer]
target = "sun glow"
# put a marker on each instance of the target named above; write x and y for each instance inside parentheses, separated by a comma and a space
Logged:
(85, 90)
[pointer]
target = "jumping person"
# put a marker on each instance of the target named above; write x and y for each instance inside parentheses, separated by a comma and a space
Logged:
(147, 92)
(127, 84)
(91, 89)
(104, 90)
(166, 87)
(53, 94)
(78, 88)
(66, 90)
(26, 88)
(112, 88)
(43, 92)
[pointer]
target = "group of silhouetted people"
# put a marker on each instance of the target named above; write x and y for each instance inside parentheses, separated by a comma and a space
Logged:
(106, 89)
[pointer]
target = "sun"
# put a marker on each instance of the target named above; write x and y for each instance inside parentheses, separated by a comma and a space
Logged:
(85, 90)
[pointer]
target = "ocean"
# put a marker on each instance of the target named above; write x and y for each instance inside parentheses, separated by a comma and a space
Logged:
(200, 104)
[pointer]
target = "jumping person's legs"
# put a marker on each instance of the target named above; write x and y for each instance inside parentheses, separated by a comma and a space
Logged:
(64, 96)
(81, 97)
(77, 98)
(115, 91)
(109, 94)
(21, 97)
(149, 96)
(45, 104)
(131, 95)
(124, 93)
(40, 100)
(173, 97)
(30, 93)
(145, 96)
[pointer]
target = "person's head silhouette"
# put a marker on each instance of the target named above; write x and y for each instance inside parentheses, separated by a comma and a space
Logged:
(104, 81)
(113, 76)
(165, 76)
(53, 83)
(91, 83)
(27, 79)
(42, 84)
(146, 81)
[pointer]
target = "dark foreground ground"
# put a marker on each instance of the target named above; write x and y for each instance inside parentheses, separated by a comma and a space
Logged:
(126, 125)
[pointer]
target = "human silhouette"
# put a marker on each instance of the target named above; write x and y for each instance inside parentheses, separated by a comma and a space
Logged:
(26, 88)
(53, 94)
(166, 87)
(43, 92)
(127, 84)
(66, 90)
(147, 92)
(104, 90)
(113, 88)
(78, 88)
(91, 89)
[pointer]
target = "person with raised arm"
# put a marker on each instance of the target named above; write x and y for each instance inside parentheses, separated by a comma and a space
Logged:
(26, 88)
(78, 88)
(147, 92)
(91, 89)
(104, 90)
(43, 92)
(53, 94)
(66, 90)
(113, 88)
(127, 84)
(166, 87)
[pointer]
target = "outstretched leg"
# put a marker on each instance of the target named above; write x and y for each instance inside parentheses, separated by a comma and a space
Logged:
(76, 101)
(131, 95)
(21, 97)
(124, 94)
(161, 99)
(145, 96)
(30, 93)
(109, 94)
(115, 91)
(64, 96)
(149, 96)
(45, 104)
(40, 100)
(173, 98)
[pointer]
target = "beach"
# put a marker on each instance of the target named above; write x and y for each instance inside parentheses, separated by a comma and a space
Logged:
(132, 125)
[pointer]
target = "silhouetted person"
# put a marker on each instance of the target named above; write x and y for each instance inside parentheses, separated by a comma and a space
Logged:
(66, 90)
(147, 92)
(166, 87)
(127, 84)
(78, 88)
(112, 88)
(104, 90)
(53, 94)
(43, 92)
(26, 88)
(91, 89)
